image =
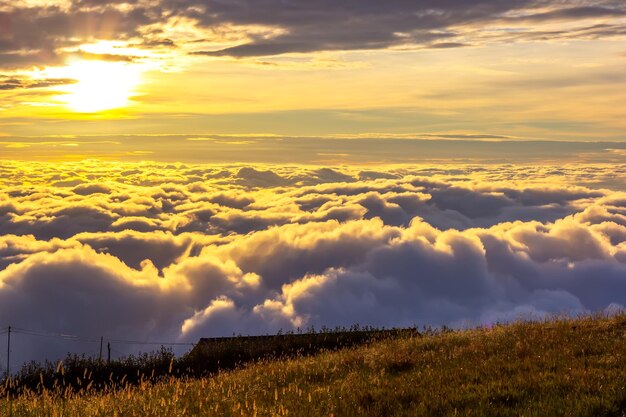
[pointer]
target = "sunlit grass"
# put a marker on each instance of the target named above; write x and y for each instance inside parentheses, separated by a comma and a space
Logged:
(562, 367)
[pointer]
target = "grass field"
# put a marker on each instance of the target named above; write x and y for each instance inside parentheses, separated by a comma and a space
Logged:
(557, 368)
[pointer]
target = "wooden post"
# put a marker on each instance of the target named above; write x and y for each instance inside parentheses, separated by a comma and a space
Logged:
(109, 355)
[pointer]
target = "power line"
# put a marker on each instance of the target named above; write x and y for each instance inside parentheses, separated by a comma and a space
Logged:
(39, 333)
(134, 342)
(70, 337)
(74, 338)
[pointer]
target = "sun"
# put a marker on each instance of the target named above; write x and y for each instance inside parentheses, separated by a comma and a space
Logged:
(99, 85)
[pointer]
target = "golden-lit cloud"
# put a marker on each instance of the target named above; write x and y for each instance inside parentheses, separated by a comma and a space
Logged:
(191, 250)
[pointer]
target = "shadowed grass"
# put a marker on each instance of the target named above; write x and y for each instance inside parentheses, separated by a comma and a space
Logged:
(561, 367)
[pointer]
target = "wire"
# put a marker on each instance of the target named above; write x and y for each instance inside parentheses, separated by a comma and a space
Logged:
(70, 337)
(133, 342)
(42, 333)
(119, 354)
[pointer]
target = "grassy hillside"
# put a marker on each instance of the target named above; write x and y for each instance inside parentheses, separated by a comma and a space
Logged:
(562, 367)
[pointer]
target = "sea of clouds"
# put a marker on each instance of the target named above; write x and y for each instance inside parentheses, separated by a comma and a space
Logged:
(175, 252)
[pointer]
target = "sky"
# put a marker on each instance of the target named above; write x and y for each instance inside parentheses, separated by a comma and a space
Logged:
(177, 169)
(523, 69)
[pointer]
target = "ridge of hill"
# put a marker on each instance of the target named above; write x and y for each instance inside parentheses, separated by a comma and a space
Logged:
(573, 367)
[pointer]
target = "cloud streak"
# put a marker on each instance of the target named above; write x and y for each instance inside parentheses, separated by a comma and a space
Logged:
(318, 150)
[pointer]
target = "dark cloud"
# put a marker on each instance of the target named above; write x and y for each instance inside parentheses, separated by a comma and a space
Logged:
(35, 36)
(88, 189)
(259, 178)
(43, 31)
(325, 175)
(348, 25)
(232, 200)
(373, 175)
(77, 291)
(16, 83)
(574, 13)
(133, 248)
(447, 45)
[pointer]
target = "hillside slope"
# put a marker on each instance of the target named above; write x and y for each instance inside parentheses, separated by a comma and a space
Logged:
(561, 367)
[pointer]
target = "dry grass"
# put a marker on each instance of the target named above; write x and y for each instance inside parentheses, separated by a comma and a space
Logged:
(562, 367)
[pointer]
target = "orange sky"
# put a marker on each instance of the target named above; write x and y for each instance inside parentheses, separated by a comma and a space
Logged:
(524, 69)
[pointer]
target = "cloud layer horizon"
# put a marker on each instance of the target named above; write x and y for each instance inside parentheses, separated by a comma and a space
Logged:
(156, 251)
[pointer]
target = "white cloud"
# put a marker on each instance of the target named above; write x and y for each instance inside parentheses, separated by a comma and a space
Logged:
(180, 252)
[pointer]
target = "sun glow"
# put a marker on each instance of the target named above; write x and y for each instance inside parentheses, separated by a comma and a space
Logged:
(99, 85)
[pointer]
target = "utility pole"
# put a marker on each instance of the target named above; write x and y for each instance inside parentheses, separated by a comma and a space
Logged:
(100, 357)
(109, 356)
(9, 353)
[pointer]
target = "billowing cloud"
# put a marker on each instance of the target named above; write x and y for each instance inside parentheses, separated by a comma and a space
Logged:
(152, 251)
